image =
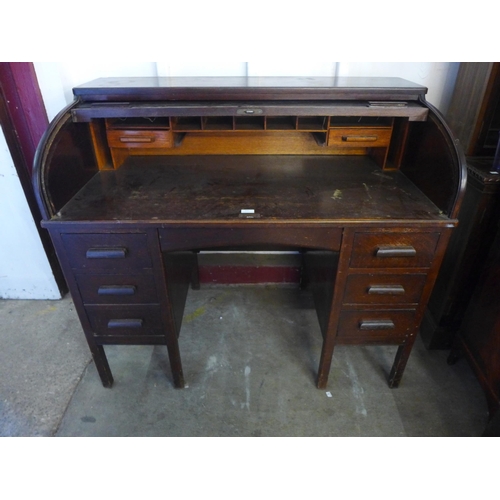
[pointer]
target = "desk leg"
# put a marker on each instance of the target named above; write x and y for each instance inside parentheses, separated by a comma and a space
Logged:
(400, 361)
(101, 363)
(195, 273)
(179, 271)
(325, 361)
(174, 356)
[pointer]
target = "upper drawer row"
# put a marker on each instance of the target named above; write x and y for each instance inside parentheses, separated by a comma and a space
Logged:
(105, 252)
(393, 250)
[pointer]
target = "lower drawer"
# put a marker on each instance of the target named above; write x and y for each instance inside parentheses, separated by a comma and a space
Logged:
(125, 320)
(117, 288)
(375, 327)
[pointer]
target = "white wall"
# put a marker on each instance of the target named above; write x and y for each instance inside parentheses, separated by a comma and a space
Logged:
(438, 77)
(25, 272)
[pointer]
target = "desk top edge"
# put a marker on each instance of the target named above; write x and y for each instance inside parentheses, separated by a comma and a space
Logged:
(140, 88)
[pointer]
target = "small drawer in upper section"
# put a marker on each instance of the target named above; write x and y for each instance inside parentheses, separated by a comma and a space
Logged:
(399, 249)
(107, 252)
(362, 137)
(137, 138)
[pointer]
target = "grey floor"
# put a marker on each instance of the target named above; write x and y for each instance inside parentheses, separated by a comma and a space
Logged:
(249, 354)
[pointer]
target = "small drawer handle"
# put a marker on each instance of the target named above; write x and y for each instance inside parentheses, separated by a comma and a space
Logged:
(392, 251)
(386, 290)
(116, 290)
(142, 139)
(359, 138)
(106, 253)
(125, 323)
(376, 324)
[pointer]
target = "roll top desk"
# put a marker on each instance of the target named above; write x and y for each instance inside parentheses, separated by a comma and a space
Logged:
(360, 175)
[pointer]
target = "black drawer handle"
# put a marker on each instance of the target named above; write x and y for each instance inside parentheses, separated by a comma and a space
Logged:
(376, 324)
(106, 253)
(125, 323)
(392, 251)
(116, 290)
(386, 290)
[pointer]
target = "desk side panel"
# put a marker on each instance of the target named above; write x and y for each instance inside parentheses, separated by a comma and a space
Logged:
(435, 163)
(64, 163)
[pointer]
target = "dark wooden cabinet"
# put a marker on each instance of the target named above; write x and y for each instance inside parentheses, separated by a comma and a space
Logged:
(479, 334)
(361, 176)
(474, 117)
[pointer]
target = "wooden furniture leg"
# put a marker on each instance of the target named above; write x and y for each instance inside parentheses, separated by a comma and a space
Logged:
(195, 273)
(174, 356)
(400, 361)
(325, 362)
(101, 363)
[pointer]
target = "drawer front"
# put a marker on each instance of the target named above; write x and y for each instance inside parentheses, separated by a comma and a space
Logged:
(117, 289)
(125, 320)
(143, 139)
(384, 289)
(389, 327)
(204, 237)
(108, 252)
(393, 250)
(359, 137)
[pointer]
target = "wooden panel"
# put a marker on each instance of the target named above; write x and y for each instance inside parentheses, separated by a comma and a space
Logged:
(466, 112)
(242, 143)
(278, 188)
(216, 237)
(248, 88)
(435, 163)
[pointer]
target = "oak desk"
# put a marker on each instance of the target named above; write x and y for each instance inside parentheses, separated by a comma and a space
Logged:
(362, 176)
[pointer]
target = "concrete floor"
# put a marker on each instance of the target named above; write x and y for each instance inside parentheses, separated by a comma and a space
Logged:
(250, 356)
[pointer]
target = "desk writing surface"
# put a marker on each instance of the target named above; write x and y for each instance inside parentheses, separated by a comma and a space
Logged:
(278, 188)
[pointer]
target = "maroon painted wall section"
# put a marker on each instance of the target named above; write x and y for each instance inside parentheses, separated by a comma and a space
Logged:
(25, 105)
(24, 120)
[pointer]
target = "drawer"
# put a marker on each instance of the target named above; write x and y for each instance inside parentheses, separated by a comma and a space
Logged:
(117, 289)
(108, 252)
(125, 320)
(383, 327)
(359, 137)
(393, 250)
(144, 139)
(384, 289)
(182, 238)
